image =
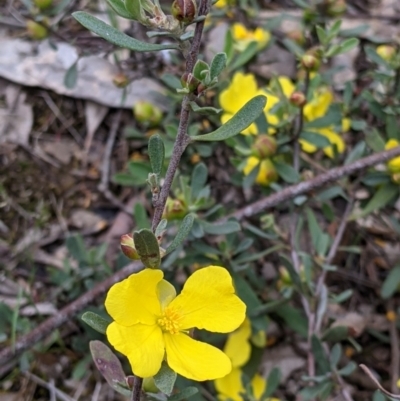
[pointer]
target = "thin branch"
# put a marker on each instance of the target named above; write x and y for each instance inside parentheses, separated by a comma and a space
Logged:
(182, 139)
(137, 388)
(395, 351)
(310, 185)
(63, 316)
(377, 384)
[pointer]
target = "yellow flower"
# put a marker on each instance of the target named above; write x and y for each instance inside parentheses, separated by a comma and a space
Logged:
(333, 138)
(242, 89)
(152, 323)
(386, 52)
(231, 387)
(393, 164)
(266, 173)
(243, 36)
(237, 346)
(319, 105)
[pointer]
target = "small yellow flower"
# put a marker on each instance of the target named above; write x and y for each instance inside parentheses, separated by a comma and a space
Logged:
(386, 52)
(319, 105)
(242, 89)
(237, 345)
(393, 164)
(152, 323)
(266, 174)
(243, 36)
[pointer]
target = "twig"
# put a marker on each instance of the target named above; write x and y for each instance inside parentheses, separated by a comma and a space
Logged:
(50, 386)
(182, 139)
(137, 388)
(313, 184)
(65, 314)
(377, 384)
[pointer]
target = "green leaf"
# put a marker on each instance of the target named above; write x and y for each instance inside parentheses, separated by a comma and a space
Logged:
(334, 29)
(141, 217)
(380, 199)
(185, 393)
(204, 110)
(374, 140)
(322, 37)
(273, 381)
(162, 226)
(71, 76)
(320, 240)
(316, 139)
(109, 366)
(116, 37)
(247, 54)
(165, 379)
(335, 334)
(293, 47)
(336, 354)
(119, 7)
(220, 229)
(294, 319)
(319, 355)
(135, 9)
(240, 121)
(199, 68)
(316, 391)
(391, 284)
(95, 321)
(198, 180)
(286, 172)
(218, 63)
(156, 153)
(347, 45)
(182, 233)
(348, 369)
(147, 247)
(356, 153)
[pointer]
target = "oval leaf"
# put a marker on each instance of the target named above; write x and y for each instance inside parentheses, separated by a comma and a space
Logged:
(165, 379)
(116, 37)
(217, 65)
(185, 393)
(109, 366)
(240, 121)
(148, 249)
(119, 7)
(156, 153)
(95, 321)
(183, 232)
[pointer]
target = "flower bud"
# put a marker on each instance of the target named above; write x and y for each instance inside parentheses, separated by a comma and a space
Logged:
(310, 62)
(386, 52)
(147, 113)
(297, 37)
(128, 247)
(396, 178)
(184, 10)
(298, 99)
(35, 30)
(120, 80)
(189, 81)
(264, 146)
(336, 8)
(43, 4)
(175, 209)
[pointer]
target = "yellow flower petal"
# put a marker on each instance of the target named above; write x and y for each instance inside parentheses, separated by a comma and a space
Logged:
(142, 344)
(266, 173)
(208, 301)
(134, 299)
(194, 359)
(239, 31)
(287, 86)
(230, 386)
(393, 164)
(334, 139)
(307, 146)
(237, 346)
(319, 105)
(258, 384)
(242, 88)
(165, 292)
(346, 124)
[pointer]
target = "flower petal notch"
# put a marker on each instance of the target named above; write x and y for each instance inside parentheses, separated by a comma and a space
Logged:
(152, 324)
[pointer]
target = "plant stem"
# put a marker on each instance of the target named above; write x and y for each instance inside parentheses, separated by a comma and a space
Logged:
(137, 388)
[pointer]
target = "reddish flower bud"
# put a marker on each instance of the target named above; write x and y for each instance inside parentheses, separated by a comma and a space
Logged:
(175, 209)
(120, 80)
(298, 99)
(189, 81)
(128, 247)
(184, 10)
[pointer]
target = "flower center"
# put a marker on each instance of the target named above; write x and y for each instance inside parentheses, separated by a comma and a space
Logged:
(169, 321)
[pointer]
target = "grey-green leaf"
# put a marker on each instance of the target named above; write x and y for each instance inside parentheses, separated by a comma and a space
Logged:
(148, 249)
(116, 37)
(95, 321)
(183, 232)
(135, 9)
(71, 76)
(119, 7)
(156, 153)
(218, 63)
(204, 110)
(109, 366)
(227, 227)
(198, 180)
(165, 379)
(185, 393)
(240, 121)
(391, 284)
